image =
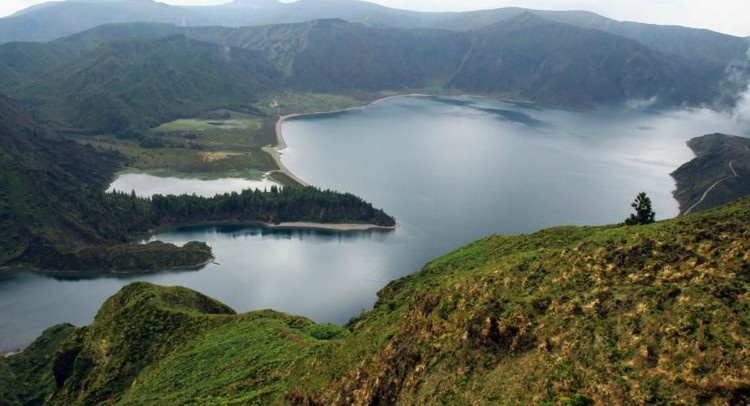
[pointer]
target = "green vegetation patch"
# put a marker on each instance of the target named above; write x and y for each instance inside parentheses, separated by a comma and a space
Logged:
(27, 378)
(154, 256)
(282, 103)
(223, 144)
(248, 361)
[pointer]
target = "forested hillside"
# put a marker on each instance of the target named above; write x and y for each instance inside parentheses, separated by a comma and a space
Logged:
(140, 84)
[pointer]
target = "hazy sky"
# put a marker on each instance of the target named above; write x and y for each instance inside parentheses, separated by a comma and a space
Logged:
(729, 16)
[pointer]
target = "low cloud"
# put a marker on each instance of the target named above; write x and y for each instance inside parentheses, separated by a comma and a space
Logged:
(641, 104)
(739, 74)
(741, 113)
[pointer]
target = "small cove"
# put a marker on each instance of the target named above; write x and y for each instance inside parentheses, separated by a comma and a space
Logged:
(451, 170)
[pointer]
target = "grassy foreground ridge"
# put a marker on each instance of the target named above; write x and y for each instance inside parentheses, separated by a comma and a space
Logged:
(618, 315)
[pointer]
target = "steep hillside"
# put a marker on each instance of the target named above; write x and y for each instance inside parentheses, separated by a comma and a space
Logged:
(52, 204)
(27, 379)
(525, 56)
(719, 174)
(139, 84)
(337, 56)
(549, 62)
(40, 176)
(23, 62)
(20, 63)
(615, 315)
(690, 43)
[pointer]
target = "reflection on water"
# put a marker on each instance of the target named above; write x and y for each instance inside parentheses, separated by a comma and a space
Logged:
(451, 170)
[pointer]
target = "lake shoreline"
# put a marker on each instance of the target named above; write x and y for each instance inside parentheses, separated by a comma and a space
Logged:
(343, 227)
(276, 150)
(292, 225)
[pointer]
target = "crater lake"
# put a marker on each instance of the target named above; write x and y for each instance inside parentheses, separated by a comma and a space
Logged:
(450, 169)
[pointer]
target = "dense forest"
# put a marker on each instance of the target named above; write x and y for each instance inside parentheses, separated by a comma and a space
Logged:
(290, 204)
(277, 205)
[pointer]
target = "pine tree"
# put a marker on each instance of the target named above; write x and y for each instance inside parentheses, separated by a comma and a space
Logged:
(643, 211)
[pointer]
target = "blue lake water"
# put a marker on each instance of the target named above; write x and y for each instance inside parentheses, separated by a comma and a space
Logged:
(451, 170)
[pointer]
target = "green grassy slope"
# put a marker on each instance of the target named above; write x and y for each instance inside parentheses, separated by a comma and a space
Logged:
(27, 379)
(711, 170)
(620, 315)
(217, 348)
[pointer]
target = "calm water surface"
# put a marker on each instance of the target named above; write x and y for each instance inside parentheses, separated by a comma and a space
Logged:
(148, 185)
(451, 170)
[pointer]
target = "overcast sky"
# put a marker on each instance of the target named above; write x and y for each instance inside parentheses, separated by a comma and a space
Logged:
(729, 16)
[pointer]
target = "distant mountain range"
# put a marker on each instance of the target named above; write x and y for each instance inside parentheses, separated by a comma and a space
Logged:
(141, 74)
(56, 19)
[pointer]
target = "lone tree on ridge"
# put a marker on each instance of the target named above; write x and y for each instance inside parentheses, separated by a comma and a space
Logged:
(643, 212)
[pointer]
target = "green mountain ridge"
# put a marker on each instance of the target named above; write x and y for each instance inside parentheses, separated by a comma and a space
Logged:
(614, 315)
(570, 66)
(63, 18)
(690, 43)
(53, 20)
(107, 81)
